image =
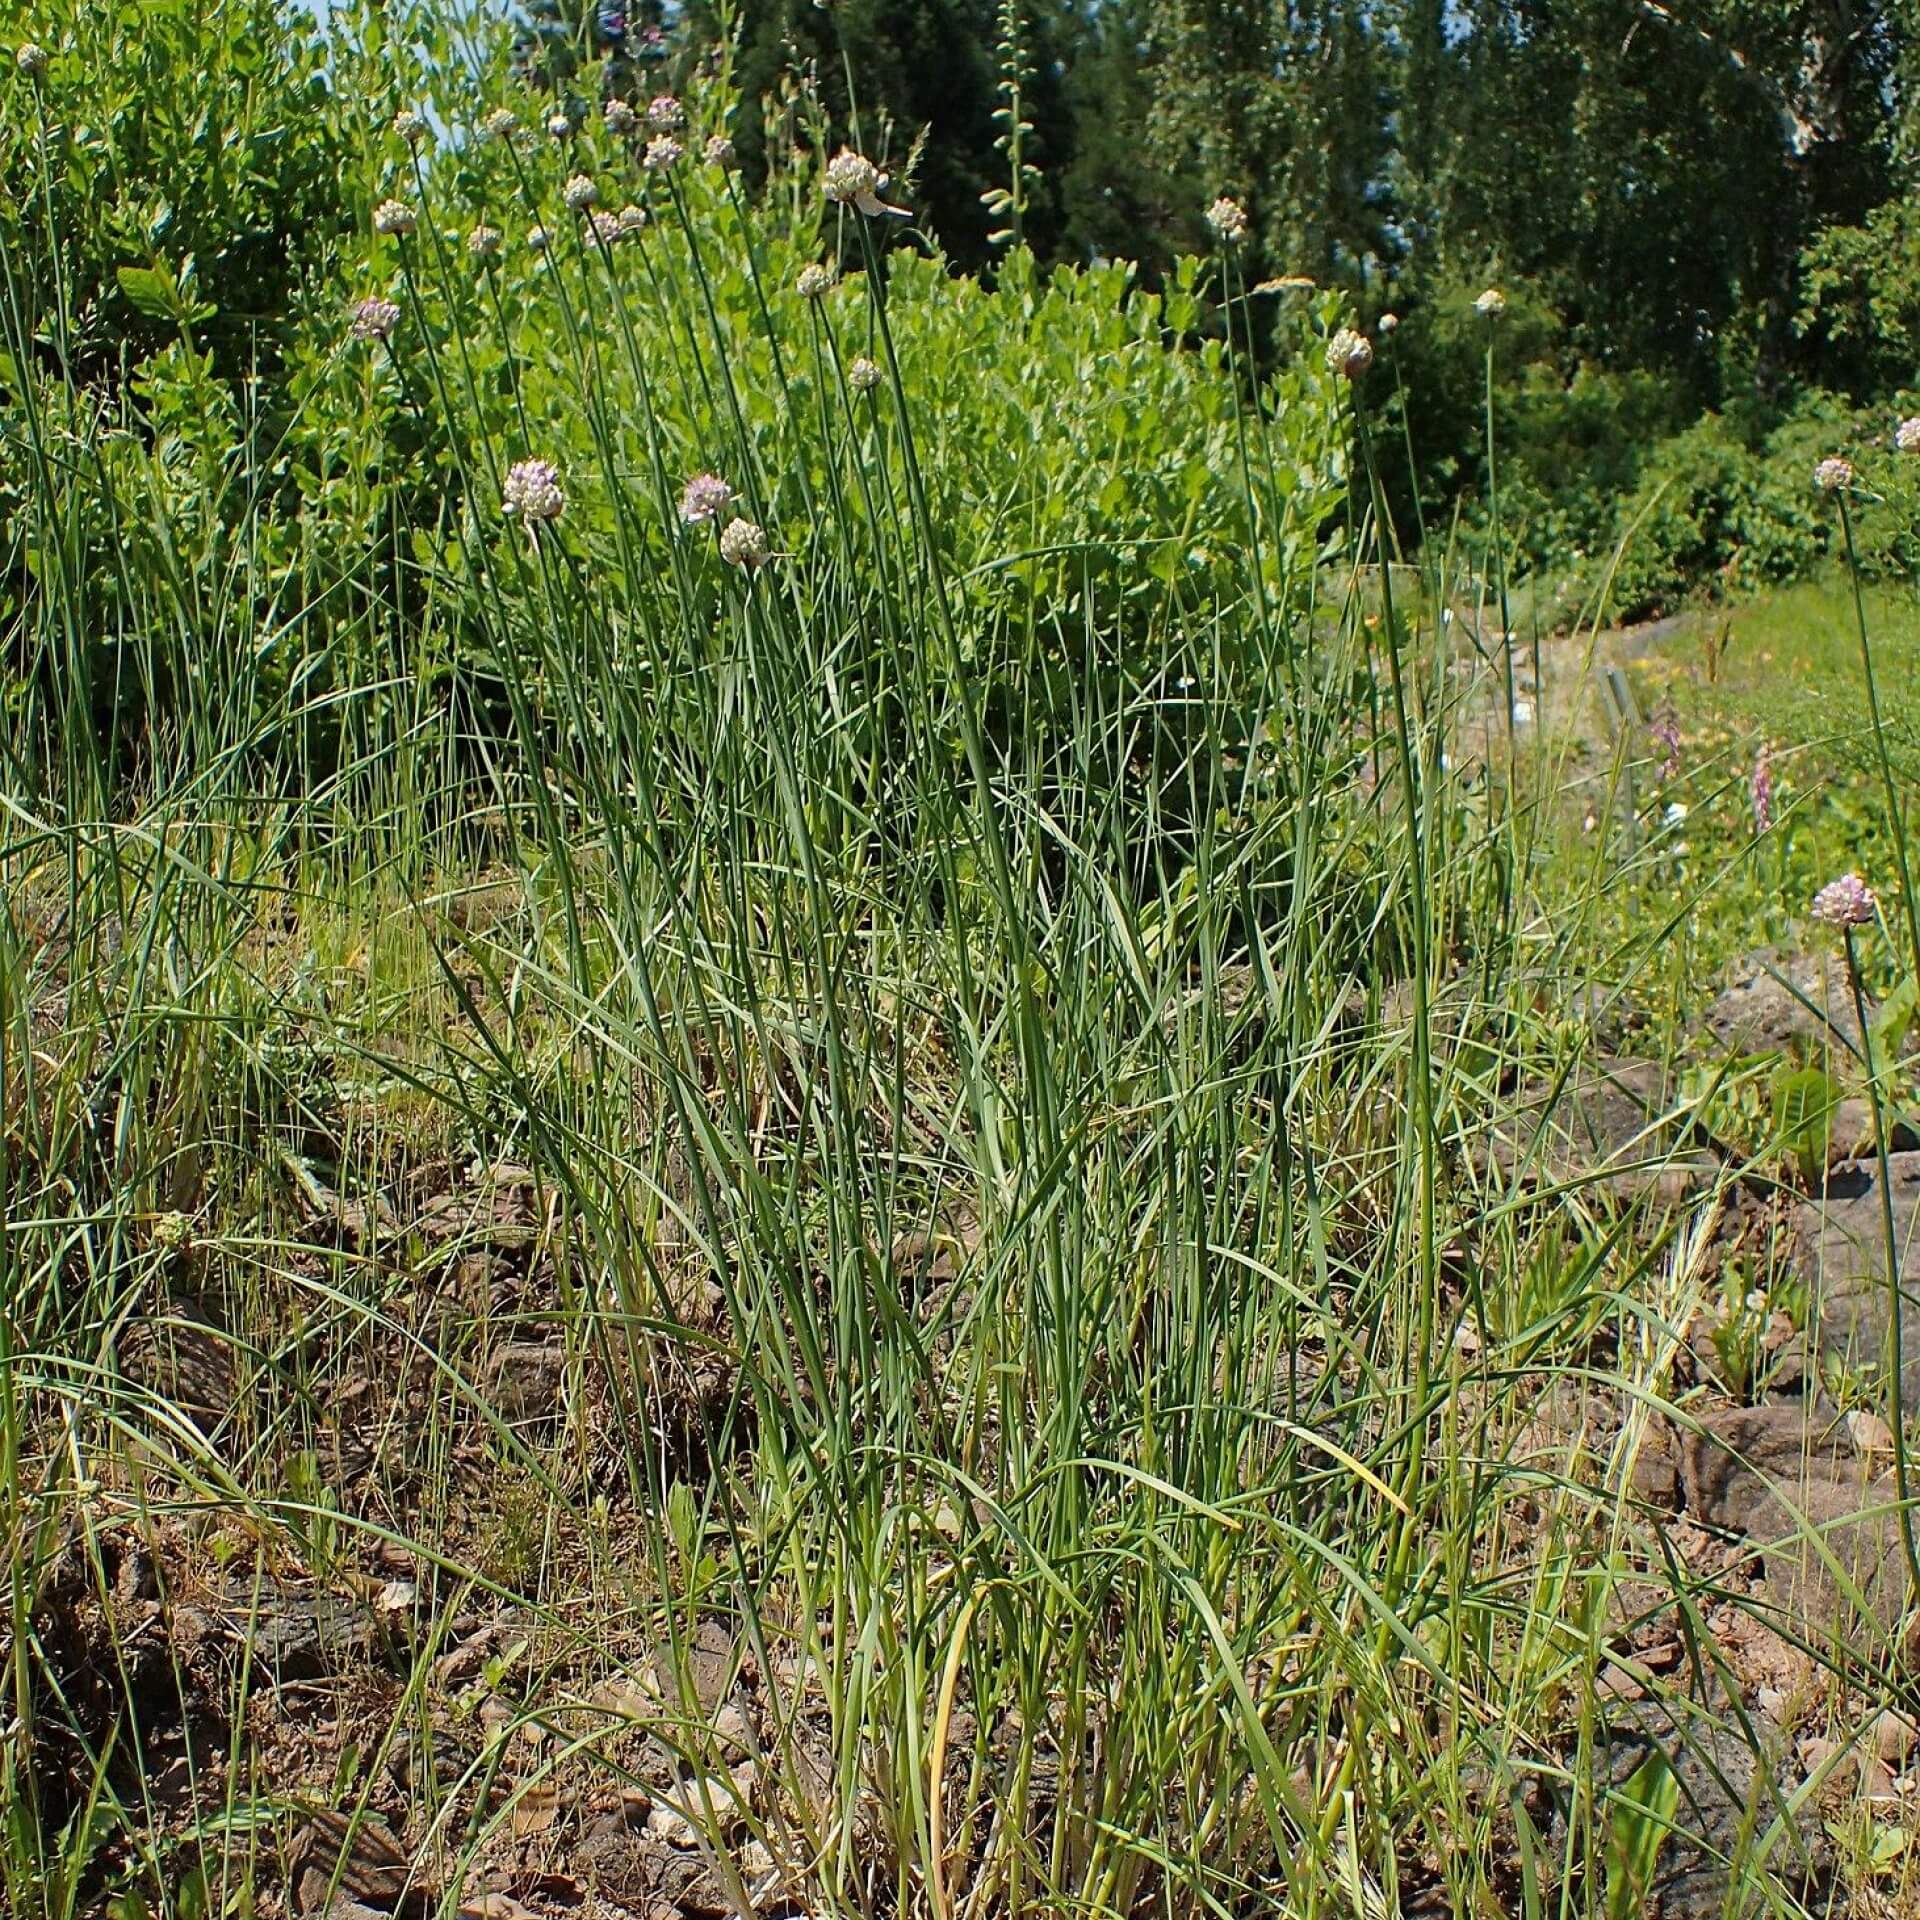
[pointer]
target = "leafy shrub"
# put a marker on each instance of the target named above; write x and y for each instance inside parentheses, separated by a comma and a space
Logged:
(177, 170)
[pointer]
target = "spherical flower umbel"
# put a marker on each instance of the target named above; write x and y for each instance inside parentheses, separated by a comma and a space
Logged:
(537, 239)
(1349, 354)
(720, 152)
(31, 58)
(1491, 304)
(375, 319)
(579, 193)
(409, 126)
(483, 241)
(394, 216)
(532, 492)
(1388, 323)
(621, 118)
(853, 180)
(1906, 436)
(1228, 219)
(665, 114)
(743, 544)
(864, 375)
(501, 124)
(605, 227)
(1833, 473)
(814, 282)
(704, 498)
(1846, 902)
(630, 220)
(559, 124)
(663, 151)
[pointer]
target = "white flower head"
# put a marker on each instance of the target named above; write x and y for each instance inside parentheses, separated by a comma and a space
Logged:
(501, 124)
(394, 216)
(864, 375)
(1349, 354)
(409, 126)
(532, 492)
(1389, 323)
(665, 114)
(1491, 304)
(853, 180)
(579, 193)
(1833, 473)
(1228, 219)
(720, 152)
(630, 220)
(559, 124)
(744, 545)
(663, 151)
(621, 118)
(374, 319)
(815, 282)
(1906, 436)
(704, 498)
(483, 241)
(31, 58)
(537, 239)
(605, 227)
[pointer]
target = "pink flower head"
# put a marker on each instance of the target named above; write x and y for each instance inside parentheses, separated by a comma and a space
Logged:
(1846, 902)
(705, 497)
(1761, 788)
(1833, 473)
(665, 114)
(1666, 730)
(375, 319)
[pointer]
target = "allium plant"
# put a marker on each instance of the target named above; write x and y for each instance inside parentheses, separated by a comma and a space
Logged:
(704, 498)
(1845, 902)
(1228, 219)
(853, 180)
(374, 319)
(1349, 354)
(744, 545)
(532, 493)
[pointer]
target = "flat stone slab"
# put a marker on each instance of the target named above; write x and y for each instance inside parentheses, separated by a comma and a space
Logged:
(1731, 1800)
(1611, 1126)
(1840, 1252)
(1820, 1512)
(1781, 1002)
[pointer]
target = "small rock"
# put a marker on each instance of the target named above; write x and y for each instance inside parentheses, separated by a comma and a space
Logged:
(524, 1381)
(1893, 1737)
(668, 1823)
(1871, 1435)
(732, 1730)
